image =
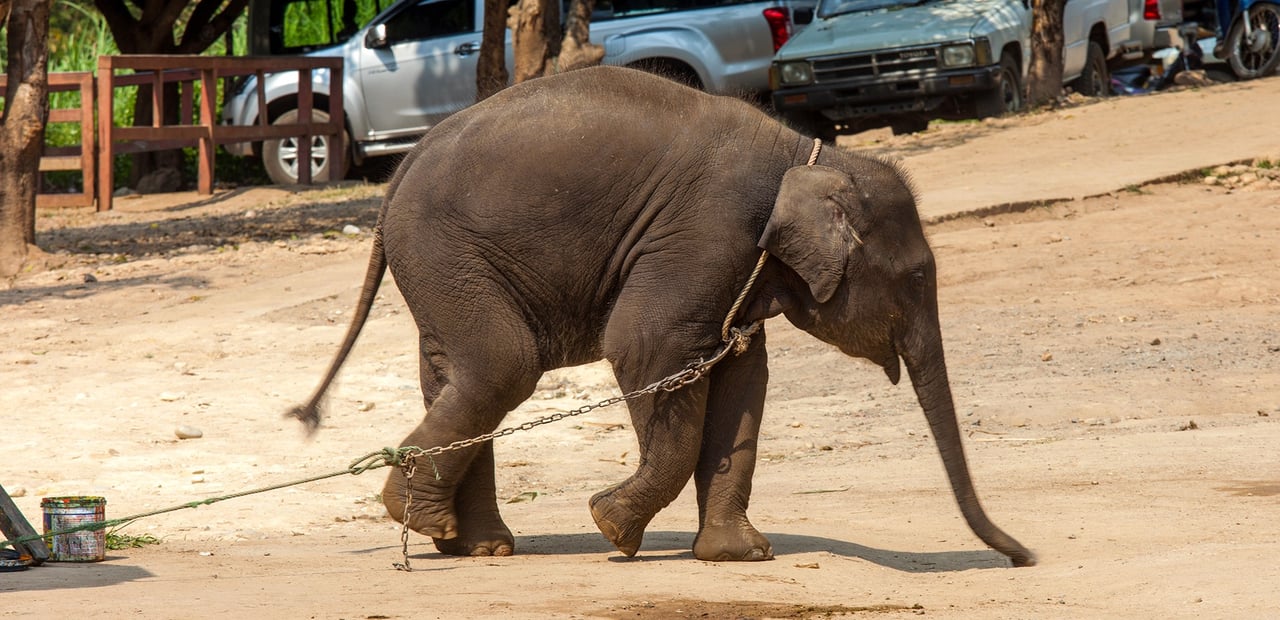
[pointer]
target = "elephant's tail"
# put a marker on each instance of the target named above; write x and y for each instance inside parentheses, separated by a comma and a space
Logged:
(310, 413)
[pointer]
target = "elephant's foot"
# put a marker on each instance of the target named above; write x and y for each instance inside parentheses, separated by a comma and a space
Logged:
(486, 539)
(617, 521)
(429, 516)
(737, 541)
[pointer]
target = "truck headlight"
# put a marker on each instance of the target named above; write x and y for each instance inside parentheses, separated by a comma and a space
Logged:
(957, 55)
(795, 73)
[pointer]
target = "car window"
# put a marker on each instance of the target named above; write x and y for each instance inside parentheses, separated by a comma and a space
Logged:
(432, 18)
(294, 26)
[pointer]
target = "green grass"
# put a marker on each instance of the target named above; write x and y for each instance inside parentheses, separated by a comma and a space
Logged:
(116, 542)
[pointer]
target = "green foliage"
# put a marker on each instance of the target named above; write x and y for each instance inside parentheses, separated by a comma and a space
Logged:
(78, 35)
(307, 21)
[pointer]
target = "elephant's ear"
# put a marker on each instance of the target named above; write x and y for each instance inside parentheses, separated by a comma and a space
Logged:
(809, 228)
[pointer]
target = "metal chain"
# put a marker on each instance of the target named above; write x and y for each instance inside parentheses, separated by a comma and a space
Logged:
(737, 343)
(410, 468)
(739, 340)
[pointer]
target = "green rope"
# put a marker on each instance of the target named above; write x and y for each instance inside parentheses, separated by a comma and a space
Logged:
(385, 457)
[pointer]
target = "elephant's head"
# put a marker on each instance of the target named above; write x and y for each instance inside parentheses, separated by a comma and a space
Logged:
(867, 284)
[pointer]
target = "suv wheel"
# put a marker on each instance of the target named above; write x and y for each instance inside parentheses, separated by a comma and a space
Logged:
(280, 157)
(1006, 97)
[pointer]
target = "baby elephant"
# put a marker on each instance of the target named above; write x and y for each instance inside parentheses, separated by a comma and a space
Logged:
(608, 213)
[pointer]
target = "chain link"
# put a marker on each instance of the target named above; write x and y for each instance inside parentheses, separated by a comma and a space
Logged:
(410, 467)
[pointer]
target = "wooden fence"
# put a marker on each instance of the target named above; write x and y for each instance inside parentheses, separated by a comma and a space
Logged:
(203, 131)
(94, 157)
(79, 157)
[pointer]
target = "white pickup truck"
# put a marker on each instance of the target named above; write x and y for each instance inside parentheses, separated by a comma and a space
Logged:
(410, 63)
(869, 63)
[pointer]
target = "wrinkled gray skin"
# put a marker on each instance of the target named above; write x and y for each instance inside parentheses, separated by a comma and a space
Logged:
(607, 213)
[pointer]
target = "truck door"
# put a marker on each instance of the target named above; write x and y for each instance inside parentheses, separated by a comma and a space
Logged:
(418, 65)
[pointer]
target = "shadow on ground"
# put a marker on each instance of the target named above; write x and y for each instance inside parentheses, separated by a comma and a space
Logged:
(181, 226)
(77, 288)
(665, 546)
(70, 576)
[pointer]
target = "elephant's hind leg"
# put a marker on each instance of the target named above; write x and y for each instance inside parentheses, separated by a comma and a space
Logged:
(452, 495)
(481, 531)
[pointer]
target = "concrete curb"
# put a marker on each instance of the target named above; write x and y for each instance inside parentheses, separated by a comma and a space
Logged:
(1023, 206)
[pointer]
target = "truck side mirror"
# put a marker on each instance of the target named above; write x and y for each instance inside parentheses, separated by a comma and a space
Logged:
(802, 17)
(376, 37)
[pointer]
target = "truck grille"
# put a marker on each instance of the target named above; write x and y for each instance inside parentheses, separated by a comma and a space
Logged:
(871, 64)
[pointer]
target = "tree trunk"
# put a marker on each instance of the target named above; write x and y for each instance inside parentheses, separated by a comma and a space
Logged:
(1044, 77)
(22, 130)
(491, 69)
(577, 51)
(535, 37)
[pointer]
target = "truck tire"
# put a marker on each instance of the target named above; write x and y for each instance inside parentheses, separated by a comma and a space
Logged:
(814, 124)
(904, 125)
(673, 70)
(1094, 80)
(1006, 97)
(280, 157)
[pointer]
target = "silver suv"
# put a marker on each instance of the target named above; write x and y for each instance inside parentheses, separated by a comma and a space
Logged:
(410, 63)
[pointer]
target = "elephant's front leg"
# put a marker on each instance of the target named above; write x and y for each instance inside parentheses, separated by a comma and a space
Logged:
(669, 428)
(729, 441)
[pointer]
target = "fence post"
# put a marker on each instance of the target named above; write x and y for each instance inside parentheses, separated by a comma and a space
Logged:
(305, 117)
(88, 146)
(208, 93)
(106, 97)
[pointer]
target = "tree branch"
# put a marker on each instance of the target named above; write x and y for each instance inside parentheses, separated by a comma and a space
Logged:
(205, 26)
(119, 20)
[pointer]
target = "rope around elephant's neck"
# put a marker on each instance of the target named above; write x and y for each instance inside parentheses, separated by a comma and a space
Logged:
(817, 148)
(764, 256)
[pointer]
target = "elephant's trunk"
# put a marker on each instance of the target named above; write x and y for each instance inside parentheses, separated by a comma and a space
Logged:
(928, 371)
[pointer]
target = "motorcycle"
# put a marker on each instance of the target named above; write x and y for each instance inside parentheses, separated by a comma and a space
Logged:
(1251, 44)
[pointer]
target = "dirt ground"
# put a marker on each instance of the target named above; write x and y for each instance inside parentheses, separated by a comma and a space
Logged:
(1115, 362)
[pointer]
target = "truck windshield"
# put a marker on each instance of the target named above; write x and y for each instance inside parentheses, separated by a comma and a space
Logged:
(300, 26)
(831, 8)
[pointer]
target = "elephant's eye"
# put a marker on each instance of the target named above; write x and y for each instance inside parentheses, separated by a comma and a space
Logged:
(917, 280)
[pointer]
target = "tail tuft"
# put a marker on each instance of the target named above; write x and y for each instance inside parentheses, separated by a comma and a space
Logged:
(308, 414)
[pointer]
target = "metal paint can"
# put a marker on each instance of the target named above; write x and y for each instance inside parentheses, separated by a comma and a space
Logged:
(62, 513)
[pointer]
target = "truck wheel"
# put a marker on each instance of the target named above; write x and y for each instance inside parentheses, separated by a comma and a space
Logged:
(675, 71)
(1257, 54)
(1006, 97)
(1094, 81)
(280, 157)
(815, 125)
(908, 124)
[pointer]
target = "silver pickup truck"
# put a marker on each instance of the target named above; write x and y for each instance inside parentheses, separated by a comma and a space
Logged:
(410, 63)
(869, 63)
